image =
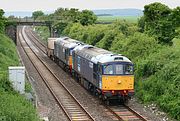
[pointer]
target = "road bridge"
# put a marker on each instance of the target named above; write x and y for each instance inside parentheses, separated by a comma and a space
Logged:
(11, 26)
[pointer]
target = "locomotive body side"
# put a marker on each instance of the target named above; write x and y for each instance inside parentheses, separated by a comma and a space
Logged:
(83, 68)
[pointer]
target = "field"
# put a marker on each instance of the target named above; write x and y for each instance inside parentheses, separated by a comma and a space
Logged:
(132, 19)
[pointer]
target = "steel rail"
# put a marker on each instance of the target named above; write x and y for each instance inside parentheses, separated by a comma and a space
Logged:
(69, 117)
(120, 118)
(45, 81)
(32, 35)
(115, 114)
(37, 38)
(136, 113)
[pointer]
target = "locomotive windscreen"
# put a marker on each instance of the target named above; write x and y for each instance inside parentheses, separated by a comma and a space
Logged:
(118, 69)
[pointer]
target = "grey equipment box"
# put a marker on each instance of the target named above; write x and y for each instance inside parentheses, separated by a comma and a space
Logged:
(17, 77)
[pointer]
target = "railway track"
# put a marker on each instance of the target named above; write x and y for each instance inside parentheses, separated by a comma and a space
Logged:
(124, 113)
(71, 107)
(36, 41)
(121, 112)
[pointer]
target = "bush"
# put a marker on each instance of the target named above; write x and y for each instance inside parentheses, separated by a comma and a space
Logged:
(136, 46)
(158, 76)
(89, 34)
(15, 108)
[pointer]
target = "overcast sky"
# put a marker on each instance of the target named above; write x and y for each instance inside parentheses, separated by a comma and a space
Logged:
(50, 5)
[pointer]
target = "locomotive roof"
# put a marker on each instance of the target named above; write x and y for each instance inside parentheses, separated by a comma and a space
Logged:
(68, 42)
(96, 55)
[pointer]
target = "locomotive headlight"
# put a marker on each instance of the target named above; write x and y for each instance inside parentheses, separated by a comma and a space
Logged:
(100, 84)
(119, 82)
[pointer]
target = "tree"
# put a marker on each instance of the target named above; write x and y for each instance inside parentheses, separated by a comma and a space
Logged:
(2, 20)
(60, 14)
(141, 24)
(87, 17)
(73, 15)
(158, 22)
(175, 16)
(37, 14)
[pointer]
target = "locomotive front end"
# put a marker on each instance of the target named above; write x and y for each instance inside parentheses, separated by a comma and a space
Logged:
(117, 79)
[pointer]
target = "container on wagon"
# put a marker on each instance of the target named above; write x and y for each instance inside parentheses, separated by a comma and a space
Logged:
(50, 46)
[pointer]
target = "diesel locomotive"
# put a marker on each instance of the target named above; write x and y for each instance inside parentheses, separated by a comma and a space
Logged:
(108, 75)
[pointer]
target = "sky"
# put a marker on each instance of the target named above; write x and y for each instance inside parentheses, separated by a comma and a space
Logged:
(51, 5)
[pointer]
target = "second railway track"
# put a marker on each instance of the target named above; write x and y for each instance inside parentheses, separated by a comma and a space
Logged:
(71, 107)
(124, 113)
(36, 41)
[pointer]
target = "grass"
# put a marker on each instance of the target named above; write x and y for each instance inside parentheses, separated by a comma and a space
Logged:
(8, 53)
(43, 32)
(13, 106)
(132, 19)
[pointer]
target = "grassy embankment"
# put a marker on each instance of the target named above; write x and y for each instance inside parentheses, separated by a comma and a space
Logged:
(43, 32)
(13, 106)
(157, 66)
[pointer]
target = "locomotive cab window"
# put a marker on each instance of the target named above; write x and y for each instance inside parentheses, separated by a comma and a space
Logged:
(118, 69)
(128, 69)
(108, 69)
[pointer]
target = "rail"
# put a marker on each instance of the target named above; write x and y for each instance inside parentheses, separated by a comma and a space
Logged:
(71, 107)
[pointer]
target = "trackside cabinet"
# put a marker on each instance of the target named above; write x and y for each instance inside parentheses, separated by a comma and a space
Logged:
(17, 77)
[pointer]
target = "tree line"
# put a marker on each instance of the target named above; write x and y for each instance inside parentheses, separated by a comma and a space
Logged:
(63, 16)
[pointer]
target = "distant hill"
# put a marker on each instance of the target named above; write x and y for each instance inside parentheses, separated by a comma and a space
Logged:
(119, 12)
(22, 13)
(105, 12)
(18, 13)
(104, 15)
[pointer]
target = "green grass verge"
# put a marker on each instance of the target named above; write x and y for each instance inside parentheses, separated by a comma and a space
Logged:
(43, 32)
(13, 106)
